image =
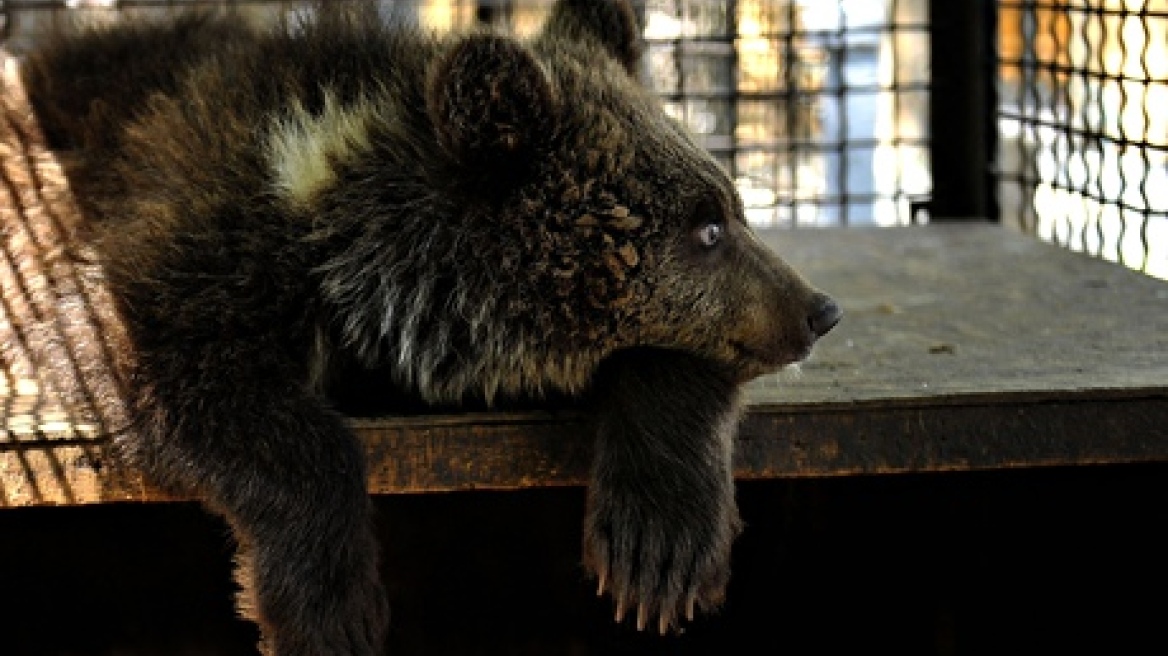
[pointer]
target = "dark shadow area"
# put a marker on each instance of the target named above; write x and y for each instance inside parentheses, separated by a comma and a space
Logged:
(1010, 562)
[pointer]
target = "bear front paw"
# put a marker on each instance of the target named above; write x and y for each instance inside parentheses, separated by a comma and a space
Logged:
(660, 563)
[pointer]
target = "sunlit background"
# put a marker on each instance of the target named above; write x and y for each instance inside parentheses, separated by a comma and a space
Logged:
(1083, 126)
(820, 108)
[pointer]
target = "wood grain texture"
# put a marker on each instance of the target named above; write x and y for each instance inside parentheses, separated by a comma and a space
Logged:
(972, 310)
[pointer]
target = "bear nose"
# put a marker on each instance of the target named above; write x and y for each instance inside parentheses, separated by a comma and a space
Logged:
(825, 314)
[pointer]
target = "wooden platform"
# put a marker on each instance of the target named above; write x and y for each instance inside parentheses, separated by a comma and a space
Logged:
(963, 347)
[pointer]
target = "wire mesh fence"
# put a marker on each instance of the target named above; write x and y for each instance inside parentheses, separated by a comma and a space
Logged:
(1083, 131)
(818, 108)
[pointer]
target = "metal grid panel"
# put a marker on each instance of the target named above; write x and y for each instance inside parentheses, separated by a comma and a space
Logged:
(818, 108)
(1083, 146)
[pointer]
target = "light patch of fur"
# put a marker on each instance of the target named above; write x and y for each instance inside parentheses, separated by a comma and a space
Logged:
(318, 361)
(791, 372)
(304, 148)
(503, 366)
(726, 430)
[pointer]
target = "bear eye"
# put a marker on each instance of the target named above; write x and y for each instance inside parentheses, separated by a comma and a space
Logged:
(710, 234)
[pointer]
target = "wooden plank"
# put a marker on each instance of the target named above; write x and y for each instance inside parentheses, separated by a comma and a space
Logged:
(959, 310)
(448, 453)
(501, 451)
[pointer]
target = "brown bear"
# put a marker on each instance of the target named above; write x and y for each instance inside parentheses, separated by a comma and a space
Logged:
(466, 220)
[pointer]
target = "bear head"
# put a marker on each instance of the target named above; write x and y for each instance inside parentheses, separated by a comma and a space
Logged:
(621, 230)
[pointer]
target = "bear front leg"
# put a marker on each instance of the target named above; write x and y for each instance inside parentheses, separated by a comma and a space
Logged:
(289, 477)
(661, 512)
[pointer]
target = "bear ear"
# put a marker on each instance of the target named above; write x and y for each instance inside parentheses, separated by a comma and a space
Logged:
(490, 102)
(611, 23)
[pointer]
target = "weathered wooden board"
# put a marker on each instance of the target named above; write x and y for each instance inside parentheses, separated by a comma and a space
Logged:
(963, 347)
(973, 310)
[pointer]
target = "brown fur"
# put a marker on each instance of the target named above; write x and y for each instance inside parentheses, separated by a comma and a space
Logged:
(467, 219)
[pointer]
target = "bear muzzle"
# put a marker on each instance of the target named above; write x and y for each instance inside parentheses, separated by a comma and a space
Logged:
(824, 315)
(775, 343)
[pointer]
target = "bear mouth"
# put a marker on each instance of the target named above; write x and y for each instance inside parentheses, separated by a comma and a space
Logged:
(759, 362)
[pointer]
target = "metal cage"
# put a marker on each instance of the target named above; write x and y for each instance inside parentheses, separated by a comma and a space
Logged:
(1083, 130)
(818, 109)
(1039, 113)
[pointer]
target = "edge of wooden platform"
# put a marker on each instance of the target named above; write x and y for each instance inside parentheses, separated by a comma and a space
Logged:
(429, 454)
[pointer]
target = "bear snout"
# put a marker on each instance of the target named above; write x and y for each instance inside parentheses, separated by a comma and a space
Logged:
(824, 315)
(782, 318)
